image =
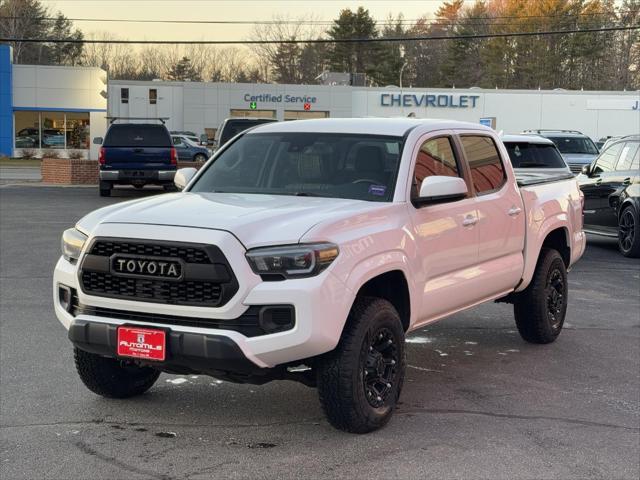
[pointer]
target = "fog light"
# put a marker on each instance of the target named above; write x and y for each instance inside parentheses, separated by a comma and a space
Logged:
(64, 297)
(277, 318)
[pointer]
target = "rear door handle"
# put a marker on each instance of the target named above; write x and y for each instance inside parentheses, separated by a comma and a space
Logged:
(513, 211)
(469, 220)
(599, 181)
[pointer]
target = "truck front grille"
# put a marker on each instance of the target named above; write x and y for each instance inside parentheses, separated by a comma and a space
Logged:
(207, 279)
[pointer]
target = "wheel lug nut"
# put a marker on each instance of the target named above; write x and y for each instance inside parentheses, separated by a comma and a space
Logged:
(388, 385)
(393, 362)
(379, 398)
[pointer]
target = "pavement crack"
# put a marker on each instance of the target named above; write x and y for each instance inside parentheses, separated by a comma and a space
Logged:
(573, 421)
(87, 450)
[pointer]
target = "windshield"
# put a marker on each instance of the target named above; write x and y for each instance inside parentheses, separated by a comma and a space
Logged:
(360, 167)
(575, 145)
(534, 155)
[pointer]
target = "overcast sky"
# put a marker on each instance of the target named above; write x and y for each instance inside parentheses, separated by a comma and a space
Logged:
(218, 10)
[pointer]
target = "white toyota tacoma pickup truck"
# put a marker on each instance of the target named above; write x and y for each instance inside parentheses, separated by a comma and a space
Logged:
(307, 250)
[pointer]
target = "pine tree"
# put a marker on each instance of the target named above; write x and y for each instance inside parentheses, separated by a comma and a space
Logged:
(183, 71)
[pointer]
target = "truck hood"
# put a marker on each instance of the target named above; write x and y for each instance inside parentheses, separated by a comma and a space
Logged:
(581, 158)
(256, 220)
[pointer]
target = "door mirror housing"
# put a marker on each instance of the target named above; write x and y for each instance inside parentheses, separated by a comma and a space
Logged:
(97, 140)
(586, 170)
(441, 189)
(183, 177)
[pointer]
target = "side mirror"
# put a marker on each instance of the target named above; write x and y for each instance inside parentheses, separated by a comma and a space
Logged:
(440, 189)
(183, 177)
(586, 170)
(97, 140)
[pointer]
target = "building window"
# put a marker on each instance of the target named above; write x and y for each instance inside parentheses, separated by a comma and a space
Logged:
(27, 125)
(304, 114)
(77, 130)
(239, 113)
(52, 130)
(124, 95)
(153, 96)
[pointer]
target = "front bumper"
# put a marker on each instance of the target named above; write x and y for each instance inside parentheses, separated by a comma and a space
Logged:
(321, 303)
(128, 176)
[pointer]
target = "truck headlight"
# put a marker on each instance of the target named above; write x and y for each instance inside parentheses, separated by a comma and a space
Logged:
(293, 261)
(72, 243)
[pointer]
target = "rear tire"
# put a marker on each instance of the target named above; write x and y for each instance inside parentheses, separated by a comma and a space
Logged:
(200, 157)
(105, 189)
(359, 382)
(629, 232)
(113, 378)
(540, 309)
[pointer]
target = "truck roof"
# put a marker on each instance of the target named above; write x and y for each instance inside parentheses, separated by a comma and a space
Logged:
(372, 126)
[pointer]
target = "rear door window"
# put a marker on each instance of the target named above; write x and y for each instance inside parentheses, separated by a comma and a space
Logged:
(628, 155)
(607, 159)
(132, 135)
(487, 171)
(534, 155)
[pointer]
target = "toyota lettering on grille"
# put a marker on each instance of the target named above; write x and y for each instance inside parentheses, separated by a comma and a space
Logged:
(164, 268)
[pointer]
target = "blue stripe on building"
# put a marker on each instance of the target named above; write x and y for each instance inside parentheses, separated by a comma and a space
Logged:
(6, 101)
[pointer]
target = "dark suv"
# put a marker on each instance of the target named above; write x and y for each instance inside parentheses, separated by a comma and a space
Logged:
(136, 154)
(230, 127)
(611, 187)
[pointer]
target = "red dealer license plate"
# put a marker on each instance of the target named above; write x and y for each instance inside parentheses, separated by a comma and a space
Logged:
(142, 343)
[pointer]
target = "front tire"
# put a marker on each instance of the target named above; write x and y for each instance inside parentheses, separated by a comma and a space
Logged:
(113, 378)
(200, 158)
(359, 382)
(629, 233)
(540, 309)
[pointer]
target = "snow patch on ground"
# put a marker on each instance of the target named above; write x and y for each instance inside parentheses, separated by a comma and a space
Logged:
(176, 381)
(418, 340)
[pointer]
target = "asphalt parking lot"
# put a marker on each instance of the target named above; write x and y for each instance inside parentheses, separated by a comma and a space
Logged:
(478, 401)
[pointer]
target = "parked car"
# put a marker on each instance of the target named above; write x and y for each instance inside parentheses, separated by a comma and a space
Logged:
(230, 127)
(576, 148)
(611, 187)
(534, 155)
(136, 154)
(27, 138)
(52, 138)
(190, 135)
(306, 250)
(188, 150)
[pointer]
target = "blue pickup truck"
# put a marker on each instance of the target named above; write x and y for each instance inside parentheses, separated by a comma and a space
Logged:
(136, 154)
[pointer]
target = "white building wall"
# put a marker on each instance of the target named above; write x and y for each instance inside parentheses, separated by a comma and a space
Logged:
(196, 106)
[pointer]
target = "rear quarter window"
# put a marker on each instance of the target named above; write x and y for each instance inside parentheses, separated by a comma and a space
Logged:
(132, 135)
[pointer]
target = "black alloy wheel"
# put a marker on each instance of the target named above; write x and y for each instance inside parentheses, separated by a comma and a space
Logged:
(556, 291)
(380, 373)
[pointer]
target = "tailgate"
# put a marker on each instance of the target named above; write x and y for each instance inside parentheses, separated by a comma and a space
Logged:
(138, 158)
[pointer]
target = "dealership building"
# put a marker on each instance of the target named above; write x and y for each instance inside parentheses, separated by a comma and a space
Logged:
(61, 108)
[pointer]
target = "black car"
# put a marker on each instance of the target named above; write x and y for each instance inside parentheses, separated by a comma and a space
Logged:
(232, 126)
(611, 187)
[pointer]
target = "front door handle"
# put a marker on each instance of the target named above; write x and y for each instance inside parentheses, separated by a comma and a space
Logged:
(626, 181)
(513, 211)
(599, 181)
(469, 220)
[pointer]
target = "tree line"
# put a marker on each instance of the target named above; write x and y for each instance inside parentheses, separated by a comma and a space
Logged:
(592, 61)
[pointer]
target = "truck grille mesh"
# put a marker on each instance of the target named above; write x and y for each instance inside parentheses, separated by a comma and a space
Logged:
(188, 254)
(209, 288)
(157, 290)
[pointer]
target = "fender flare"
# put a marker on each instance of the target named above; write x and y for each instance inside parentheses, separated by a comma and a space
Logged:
(532, 252)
